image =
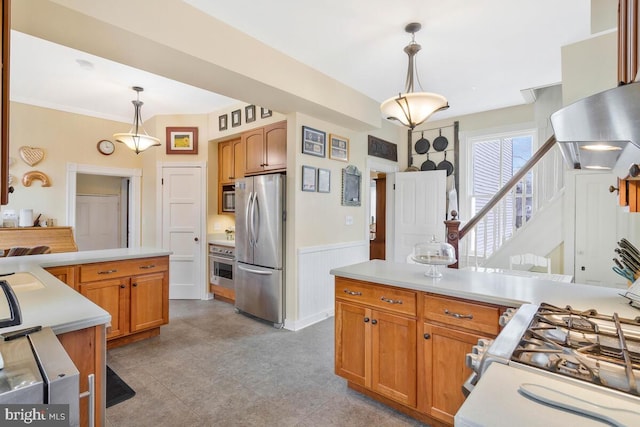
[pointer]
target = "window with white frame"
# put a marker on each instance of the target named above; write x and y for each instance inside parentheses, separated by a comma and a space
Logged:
(494, 160)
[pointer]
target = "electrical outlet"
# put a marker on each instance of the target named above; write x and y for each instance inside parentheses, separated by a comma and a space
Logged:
(348, 220)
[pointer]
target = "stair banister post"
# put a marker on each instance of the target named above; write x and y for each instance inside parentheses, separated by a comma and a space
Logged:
(453, 225)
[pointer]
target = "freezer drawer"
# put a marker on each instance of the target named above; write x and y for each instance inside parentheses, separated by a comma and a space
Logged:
(260, 292)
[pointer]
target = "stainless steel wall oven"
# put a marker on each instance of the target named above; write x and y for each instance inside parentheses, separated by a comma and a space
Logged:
(221, 265)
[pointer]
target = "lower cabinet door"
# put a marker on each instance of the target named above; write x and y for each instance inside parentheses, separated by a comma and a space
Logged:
(149, 301)
(113, 296)
(352, 348)
(445, 351)
(394, 357)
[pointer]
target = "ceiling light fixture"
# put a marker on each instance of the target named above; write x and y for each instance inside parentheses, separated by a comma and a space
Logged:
(137, 139)
(413, 108)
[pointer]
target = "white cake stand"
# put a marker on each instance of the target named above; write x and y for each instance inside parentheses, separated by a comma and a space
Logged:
(433, 263)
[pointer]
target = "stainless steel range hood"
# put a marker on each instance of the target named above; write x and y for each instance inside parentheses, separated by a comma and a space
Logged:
(598, 131)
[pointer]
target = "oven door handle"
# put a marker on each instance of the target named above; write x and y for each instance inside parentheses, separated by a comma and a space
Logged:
(251, 270)
(558, 399)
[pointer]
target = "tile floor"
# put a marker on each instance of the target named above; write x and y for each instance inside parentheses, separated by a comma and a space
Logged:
(213, 367)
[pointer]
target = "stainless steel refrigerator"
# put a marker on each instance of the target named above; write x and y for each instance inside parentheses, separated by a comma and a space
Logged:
(260, 216)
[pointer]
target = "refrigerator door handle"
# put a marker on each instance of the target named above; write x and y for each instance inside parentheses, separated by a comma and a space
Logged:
(251, 270)
(255, 218)
(247, 220)
(252, 219)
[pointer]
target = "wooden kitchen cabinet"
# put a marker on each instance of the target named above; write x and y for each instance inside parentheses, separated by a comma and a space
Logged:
(86, 349)
(450, 330)
(375, 345)
(66, 274)
(5, 42)
(135, 293)
(266, 148)
(231, 161)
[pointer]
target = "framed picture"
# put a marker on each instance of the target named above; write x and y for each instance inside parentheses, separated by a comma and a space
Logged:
(222, 122)
(236, 117)
(182, 140)
(250, 113)
(313, 141)
(308, 178)
(265, 112)
(339, 148)
(324, 180)
(351, 178)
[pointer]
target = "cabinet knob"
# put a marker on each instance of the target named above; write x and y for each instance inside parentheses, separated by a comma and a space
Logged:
(612, 189)
(122, 286)
(366, 319)
(427, 336)
(135, 285)
(374, 322)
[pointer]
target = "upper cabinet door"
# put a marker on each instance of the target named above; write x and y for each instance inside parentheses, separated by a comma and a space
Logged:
(254, 146)
(275, 142)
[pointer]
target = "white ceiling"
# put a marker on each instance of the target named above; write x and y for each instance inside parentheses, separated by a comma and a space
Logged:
(479, 54)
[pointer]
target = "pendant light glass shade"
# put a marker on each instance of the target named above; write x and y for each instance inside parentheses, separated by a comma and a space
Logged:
(413, 108)
(137, 139)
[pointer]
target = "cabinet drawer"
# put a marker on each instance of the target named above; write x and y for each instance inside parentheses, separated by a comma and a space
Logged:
(114, 269)
(387, 298)
(464, 314)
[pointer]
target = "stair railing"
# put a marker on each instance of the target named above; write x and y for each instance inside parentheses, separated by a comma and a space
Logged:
(455, 233)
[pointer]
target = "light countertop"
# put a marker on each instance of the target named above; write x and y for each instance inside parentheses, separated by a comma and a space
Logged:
(505, 290)
(220, 239)
(55, 304)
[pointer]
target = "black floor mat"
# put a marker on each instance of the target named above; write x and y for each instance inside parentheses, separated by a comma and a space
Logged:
(117, 390)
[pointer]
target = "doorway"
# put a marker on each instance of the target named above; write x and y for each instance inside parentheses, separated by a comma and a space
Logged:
(130, 202)
(377, 226)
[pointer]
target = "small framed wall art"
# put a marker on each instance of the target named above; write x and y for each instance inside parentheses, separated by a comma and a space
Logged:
(324, 180)
(313, 141)
(222, 122)
(265, 112)
(182, 140)
(308, 178)
(250, 113)
(339, 149)
(236, 117)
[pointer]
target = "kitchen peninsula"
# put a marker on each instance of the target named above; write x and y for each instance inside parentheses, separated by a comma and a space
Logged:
(80, 325)
(401, 337)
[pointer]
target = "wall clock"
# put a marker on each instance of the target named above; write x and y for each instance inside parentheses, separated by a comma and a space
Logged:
(106, 147)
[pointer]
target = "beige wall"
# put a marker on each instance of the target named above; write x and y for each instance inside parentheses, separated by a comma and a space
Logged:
(98, 184)
(64, 137)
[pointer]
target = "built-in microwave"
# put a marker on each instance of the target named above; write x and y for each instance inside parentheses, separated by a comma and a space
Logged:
(228, 200)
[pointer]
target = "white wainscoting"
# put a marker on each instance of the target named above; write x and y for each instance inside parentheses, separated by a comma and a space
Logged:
(316, 285)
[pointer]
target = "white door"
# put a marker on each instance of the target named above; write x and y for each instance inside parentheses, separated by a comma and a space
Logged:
(595, 230)
(97, 222)
(419, 210)
(182, 230)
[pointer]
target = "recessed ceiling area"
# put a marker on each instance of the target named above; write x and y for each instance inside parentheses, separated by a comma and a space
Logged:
(479, 55)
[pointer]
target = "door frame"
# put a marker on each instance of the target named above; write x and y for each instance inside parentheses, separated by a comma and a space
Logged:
(202, 276)
(380, 165)
(134, 202)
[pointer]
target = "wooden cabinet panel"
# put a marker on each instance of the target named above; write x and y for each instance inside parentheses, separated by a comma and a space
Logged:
(4, 101)
(113, 296)
(353, 355)
(149, 301)
(275, 143)
(463, 314)
(65, 273)
(86, 348)
(384, 297)
(113, 269)
(444, 352)
(394, 357)
(254, 150)
(231, 160)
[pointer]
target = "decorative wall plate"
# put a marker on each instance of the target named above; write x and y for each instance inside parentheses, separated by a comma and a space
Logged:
(28, 177)
(31, 155)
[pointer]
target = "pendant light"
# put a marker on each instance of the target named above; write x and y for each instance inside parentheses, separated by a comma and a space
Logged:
(137, 139)
(413, 108)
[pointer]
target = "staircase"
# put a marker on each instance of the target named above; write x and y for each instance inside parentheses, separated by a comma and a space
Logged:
(490, 236)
